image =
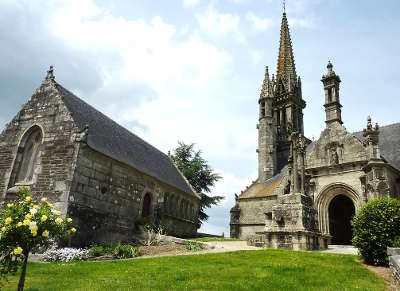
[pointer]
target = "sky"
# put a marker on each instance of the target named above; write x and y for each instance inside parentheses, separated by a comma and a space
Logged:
(191, 70)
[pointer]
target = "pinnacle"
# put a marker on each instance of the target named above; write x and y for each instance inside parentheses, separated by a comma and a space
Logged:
(50, 74)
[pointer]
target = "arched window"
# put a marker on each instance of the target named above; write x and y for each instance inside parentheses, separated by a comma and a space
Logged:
(166, 202)
(27, 156)
(146, 205)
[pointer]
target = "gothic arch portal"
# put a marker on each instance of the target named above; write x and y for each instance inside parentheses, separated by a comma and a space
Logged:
(325, 198)
(26, 157)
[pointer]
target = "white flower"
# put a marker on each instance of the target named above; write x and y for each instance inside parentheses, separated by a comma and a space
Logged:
(33, 211)
(33, 226)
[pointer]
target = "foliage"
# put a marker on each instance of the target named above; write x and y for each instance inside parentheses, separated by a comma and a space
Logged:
(117, 250)
(27, 225)
(244, 270)
(396, 242)
(194, 246)
(199, 174)
(65, 255)
(153, 235)
(376, 225)
(125, 251)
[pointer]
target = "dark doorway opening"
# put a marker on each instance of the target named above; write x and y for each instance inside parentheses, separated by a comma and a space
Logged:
(341, 211)
(146, 205)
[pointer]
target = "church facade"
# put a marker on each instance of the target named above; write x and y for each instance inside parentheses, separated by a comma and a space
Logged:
(307, 192)
(97, 172)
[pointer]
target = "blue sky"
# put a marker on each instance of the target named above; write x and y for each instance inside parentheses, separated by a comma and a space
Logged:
(191, 70)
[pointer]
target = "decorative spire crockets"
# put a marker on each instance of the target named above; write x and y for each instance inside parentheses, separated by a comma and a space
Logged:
(266, 90)
(286, 71)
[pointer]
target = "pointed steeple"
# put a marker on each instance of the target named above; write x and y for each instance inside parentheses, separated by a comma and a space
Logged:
(266, 90)
(286, 71)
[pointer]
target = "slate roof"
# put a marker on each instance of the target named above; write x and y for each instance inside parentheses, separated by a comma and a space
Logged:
(389, 143)
(111, 139)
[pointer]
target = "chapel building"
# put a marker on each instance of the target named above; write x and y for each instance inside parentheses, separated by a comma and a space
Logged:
(307, 192)
(107, 179)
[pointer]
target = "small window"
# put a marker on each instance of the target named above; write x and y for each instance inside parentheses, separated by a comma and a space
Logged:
(329, 95)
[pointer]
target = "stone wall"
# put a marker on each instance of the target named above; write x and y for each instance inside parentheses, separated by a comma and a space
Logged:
(253, 215)
(394, 262)
(106, 201)
(54, 166)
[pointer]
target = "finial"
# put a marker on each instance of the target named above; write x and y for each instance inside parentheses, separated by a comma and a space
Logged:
(369, 123)
(50, 74)
(284, 6)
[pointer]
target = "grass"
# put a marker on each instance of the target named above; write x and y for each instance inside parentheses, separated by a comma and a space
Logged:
(244, 270)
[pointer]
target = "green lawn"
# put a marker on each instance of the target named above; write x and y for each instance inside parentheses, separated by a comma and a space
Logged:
(245, 270)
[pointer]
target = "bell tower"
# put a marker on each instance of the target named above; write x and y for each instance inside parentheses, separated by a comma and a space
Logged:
(280, 110)
(288, 103)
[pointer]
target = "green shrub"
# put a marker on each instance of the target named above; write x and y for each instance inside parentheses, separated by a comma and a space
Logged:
(96, 251)
(396, 242)
(193, 246)
(125, 251)
(376, 226)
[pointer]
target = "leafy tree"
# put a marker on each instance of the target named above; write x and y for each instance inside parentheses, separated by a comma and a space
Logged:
(199, 174)
(25, 226)
(376, 226)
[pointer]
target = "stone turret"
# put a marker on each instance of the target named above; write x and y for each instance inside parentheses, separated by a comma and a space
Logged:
(266, 132)
(371, 135)
(332, 104)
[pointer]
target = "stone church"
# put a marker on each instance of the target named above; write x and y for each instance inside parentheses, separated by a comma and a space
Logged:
(97, 172)
(307, 192)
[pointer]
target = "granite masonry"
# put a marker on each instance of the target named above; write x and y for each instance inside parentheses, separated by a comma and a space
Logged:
(307, 192)
(97, 172)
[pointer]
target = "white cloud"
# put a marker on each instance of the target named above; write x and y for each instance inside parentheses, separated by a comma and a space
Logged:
(217, 24)
(258, 23)
(190, 3)
(256, 56)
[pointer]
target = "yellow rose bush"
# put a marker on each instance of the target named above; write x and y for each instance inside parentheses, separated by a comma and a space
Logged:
(27, 225)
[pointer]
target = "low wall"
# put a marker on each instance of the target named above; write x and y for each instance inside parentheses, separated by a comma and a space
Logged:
(394, 262)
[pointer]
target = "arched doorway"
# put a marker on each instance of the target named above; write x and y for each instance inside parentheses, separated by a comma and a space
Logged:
(341, 211)
(146, 205)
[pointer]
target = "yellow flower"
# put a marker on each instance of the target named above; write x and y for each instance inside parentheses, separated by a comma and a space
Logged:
(28, 216)
(44, 218)
(28, 198)
(17, 251)
(34, 232)
(45, 233)
(36, 206)
(44, 199)
(69, 219)
(8, 220)
(58, 220)
(3, 229)
(19, 224)
(27, 222)
(9, 205)
(50, 204)
(58, 212)
(73, 230)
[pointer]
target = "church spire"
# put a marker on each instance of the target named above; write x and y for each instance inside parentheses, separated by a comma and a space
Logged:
(286, 71)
